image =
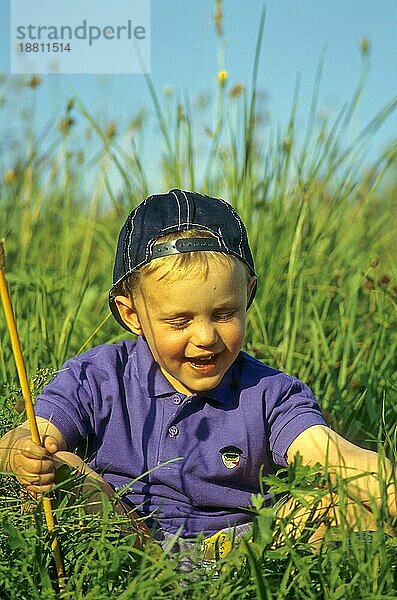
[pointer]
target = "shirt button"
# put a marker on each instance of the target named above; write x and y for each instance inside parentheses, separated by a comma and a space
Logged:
(173, 431)
(176, 399)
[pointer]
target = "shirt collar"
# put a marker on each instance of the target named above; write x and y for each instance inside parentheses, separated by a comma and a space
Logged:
(155, 384)
(226, 392)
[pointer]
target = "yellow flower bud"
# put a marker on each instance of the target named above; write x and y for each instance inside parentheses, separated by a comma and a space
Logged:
(222, 77)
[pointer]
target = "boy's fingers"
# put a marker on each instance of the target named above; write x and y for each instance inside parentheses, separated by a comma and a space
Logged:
(37, 484)
(33, 466)
(38, 489)
(28, 474)
(31, 450)
(51, 444)
(36, 479)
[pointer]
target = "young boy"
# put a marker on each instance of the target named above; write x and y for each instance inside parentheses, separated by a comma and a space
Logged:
(181, 418)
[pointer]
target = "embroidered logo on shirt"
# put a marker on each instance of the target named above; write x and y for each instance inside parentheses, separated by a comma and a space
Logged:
(231, 456)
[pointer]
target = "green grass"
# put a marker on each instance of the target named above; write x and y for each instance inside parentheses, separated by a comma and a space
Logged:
(322, 230)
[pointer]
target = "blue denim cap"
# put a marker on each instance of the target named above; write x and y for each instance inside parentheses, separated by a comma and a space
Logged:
(178, 210)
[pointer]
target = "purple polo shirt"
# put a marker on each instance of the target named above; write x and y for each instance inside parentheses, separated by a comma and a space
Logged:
(194, 461)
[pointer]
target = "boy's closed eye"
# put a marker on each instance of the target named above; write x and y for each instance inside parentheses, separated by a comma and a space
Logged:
(179, 323)
(225, 315)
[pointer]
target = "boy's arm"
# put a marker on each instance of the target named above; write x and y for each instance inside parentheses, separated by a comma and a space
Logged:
(364, 468)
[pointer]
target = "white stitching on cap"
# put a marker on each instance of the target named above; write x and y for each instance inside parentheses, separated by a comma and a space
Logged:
(149, 249)
(235, 215)
(179, 211)
(222, 240)
(139, 207)
(187, 207)
(192, 226)
(129, 240)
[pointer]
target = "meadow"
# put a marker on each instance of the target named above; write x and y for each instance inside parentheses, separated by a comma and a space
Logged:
(322, 224)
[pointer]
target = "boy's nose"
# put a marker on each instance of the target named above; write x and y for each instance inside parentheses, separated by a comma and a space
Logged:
(204, 334)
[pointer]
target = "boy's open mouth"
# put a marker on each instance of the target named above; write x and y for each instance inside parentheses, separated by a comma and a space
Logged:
(203, 364)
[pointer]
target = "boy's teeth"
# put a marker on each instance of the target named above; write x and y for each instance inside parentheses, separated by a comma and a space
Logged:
(206, 359)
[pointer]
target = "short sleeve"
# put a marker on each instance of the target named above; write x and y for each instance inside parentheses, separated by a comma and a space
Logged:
(291, 407)
(67, 401)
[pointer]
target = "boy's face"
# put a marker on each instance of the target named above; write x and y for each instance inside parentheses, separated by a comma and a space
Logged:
(194, 326)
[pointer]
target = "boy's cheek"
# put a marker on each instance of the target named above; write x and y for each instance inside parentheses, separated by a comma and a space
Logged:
(165, 350)
(168, 347)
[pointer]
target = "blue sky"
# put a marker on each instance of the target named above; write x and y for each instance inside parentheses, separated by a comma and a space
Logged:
(184, 55)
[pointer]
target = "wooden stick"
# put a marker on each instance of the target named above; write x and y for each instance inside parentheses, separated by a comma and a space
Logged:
(20, 365)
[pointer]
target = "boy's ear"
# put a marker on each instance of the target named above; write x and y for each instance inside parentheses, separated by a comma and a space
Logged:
(250, 288)
(128, 313)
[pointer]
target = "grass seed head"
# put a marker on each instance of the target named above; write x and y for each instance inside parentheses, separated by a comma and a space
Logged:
(33, 82)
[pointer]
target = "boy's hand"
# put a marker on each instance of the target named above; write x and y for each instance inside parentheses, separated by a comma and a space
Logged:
(363, 470)
(33, 464)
